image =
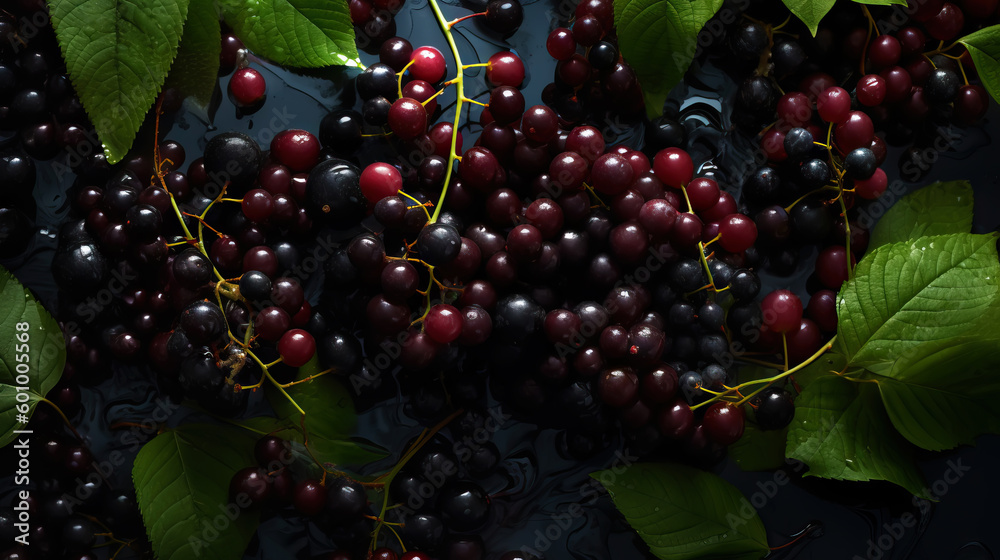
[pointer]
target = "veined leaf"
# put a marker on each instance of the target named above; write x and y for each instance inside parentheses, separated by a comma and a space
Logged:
(195, 71)
(330, 418)
(659, 39)
(811, 12)
(118, 53)
(942, 398)
(937, 209)
(686, 513)
(882, 2)
(904, 295)
(305, 33)
(32, 354)
(842, 432)
(182, 485)
(984, 48)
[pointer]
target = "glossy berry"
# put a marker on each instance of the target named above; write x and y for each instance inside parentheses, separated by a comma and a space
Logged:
(464, 506)
(443, 323)
(611, 174)
(309, 497)
(723, 423)
(407, 118)
(737, 233)
(505, 68)
(860, 163)
(296, 149)
(257, 205)
(872, 187)
(504, 16)
(884, 51)
(674, 167)
(380, 180)
(833, 105)
(250, 483)
(428, 64)
(247, 87)
(560, 43)
(856, 132)
(438, 244)
(773, 408)
(871, 90)
(782, 311)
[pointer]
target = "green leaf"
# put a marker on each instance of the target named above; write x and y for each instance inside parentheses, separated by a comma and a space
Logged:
(810, 11)
(118, 53)
(182, 485)
(842, 432)
(683, 512)
(942, 398)
(330, 418)
(904, 295)
(936, 209)
(759, 450)
(195, 71)
(984, 48)
(30, 339)
(306, 33)
(659, 38)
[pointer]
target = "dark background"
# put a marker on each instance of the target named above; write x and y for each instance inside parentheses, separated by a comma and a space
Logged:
(538, 485)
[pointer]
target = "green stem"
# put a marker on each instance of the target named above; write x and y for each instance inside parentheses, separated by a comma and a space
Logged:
(767, 381)
(459, 97)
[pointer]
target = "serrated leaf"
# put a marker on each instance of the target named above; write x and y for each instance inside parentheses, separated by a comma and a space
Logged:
(305, 33)
(904, 295)
(937, 209)
(30, 339)
(811, 12)
(685, 513)
(330, 418)
(759, 450)
(941, 398)
(195, 71)
(118, 53)
(182, 486)
(659, 39)
(984, 48)
(842, 432)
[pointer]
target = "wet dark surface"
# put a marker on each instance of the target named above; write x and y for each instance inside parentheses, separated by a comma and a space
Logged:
(537, 491)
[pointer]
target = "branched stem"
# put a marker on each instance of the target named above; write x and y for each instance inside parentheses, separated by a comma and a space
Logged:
(459, 82)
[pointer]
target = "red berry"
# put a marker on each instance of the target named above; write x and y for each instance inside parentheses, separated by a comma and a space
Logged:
(795, 109)
(947, 23)
(674, 167)
(871, 90)
(703, 193)
(831, 266)
(737, 233)
(723, 423)
(884, 51)
(782, 311)
(505, 69)
(296, 347)
(296, 149)
(804, 341)
(560, 43)
(872, 187)
(773, 144)
(443, 323)
(257, 205)
(428, 65)
(833, 105)
(247, 86)
(380, 180)
(855, 132)
(611, 174)
(407, 118)
(421, 91)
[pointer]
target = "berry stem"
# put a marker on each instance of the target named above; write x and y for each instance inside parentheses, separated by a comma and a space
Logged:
(767, 381)
(459, 97)
(65, 419)
(463, 18)
(386, 479)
